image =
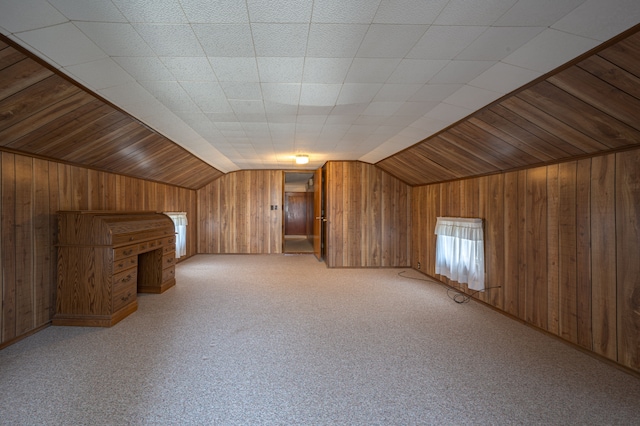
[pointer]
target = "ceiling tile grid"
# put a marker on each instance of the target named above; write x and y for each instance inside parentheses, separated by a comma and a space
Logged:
(249, 84)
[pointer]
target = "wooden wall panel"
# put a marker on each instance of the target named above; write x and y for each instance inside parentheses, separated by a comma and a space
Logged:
(628, 255)
(368, 217)
(32, 191)
(562, 242)
(235, 215)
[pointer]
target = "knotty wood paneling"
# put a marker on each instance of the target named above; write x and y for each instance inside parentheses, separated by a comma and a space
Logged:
(589, 107)
(562, 243)
(45, 114)
(32, 190)
(368, 217)
(235, 215)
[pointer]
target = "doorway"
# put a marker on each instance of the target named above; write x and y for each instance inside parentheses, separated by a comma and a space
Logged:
(298, 212)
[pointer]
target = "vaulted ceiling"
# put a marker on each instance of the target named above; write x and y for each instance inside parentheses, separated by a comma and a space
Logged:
(248, 84)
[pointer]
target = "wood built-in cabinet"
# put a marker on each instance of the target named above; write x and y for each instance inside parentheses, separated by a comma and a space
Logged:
(105, 259)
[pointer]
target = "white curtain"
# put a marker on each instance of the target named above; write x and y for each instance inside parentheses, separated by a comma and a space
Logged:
(180, 222)
(460, 250)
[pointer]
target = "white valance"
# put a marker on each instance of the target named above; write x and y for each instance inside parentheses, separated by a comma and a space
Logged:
(460, 250)
(179, 218)
(180, 222)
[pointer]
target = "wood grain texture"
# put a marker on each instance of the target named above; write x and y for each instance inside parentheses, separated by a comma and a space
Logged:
(566, 241)
(603, 252)
(32, 191)
(45, 114)
(628, 253)
(368, 217)
(235, 216)
(588, 107)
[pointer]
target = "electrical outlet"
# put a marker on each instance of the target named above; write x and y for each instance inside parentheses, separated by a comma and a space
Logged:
(418, 265)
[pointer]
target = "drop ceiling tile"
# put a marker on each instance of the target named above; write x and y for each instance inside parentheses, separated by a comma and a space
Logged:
(477, 12)
(445, 42)
(241, 90)
(416, 109)
(448, 113)
(311, 119)
(536, 13)
(280, 10)
(25, 15)
(280, 39)
(64, 44)
(170, 39)
(346, 112)
(398, 120)
(504, 78)
(548, 50)
(429, 125)
(235, 69)
(314, 110)
(396, 92)
(127, 94)
(416, 71)
(82, 10)
(280, 70)
(251, 117)
(408, 11)
(115, 39)
(282, 93)
(461, 71)
(357, 93)
(215, 12)
(241, 107)
(231, 40)
(366, 70)
(190, 68)
(435, 92)
(209, 96)
(382, 108)
(100, 74)
(280, 111)
(171, 94)
(221, 116)
(601, 20)
(344, 12)
(151, 10)
(325, 70)
(498, 42)
(335, 40)
(390, 41)
(472, 97)
(144, 67)
(319, 94)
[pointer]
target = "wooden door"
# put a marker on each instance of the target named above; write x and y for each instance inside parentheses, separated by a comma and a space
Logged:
(318, 214)
(295, 214)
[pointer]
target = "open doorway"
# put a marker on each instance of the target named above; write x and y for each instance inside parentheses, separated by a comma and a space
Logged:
(298, 212)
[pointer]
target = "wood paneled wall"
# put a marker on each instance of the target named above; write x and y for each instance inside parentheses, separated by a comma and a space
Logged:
(235, 215)
(368, 217)
(562, 244)
(32, 190)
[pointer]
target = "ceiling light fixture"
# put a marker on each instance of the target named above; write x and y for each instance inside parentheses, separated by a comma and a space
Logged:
(302, 159)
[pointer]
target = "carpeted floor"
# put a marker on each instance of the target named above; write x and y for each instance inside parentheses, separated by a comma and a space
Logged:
(297, 244)
(272, 339)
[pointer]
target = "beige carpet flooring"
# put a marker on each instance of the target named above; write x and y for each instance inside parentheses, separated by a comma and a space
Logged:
(272, 339)
(297, 244)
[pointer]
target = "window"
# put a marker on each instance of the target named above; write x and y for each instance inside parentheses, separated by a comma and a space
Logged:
(180, 222)
(460, 250)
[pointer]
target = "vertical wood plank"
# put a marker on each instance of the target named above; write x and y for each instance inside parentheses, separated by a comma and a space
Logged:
(511, 244)
(603, 252)
(536, 228)
(494, 228)
(567, 245)
(43, 277)
(25, 284)
(553, 256)
(8, 246)
(583, 253)
(523, 241)
(628, 253)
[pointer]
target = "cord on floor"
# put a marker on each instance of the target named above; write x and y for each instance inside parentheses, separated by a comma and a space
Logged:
(459, 296)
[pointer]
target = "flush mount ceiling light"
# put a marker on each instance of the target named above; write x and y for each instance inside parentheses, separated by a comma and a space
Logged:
(302, 159)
